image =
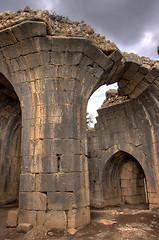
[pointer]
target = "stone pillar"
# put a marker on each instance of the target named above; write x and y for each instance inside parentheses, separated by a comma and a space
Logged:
(54, 78)
(54, 181)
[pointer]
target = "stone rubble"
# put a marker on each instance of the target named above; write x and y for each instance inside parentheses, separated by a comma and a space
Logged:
(113, 98)
(58, 27)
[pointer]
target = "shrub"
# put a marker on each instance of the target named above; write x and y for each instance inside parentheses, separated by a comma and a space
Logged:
(55, 16)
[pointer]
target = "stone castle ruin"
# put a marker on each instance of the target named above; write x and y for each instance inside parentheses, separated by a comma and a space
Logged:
(49, 161)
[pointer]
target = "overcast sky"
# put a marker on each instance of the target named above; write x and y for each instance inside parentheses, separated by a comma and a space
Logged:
(132, 24)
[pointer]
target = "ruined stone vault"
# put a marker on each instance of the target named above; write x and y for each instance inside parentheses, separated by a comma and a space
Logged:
(48, 71)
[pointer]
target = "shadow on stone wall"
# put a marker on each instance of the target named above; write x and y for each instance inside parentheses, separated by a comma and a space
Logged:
(10, 142)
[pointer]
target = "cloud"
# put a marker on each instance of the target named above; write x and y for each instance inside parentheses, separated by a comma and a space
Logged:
(147, 46)
(119, 20)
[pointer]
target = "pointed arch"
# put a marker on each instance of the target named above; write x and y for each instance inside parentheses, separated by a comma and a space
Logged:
(123, 180)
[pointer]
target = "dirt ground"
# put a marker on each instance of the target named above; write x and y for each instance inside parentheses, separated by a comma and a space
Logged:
(117, 223)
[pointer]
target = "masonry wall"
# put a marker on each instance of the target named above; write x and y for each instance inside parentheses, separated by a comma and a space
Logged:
(53, 78)
(131, 127)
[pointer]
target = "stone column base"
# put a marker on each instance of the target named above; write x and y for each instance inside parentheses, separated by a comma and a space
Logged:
(56, 219)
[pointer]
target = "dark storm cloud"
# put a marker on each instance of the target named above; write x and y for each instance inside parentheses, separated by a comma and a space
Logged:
(123, 20)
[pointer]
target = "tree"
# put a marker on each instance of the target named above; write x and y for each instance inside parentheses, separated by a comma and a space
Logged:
(89, 119)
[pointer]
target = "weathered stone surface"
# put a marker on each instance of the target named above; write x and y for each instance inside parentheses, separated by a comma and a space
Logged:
(24, 227)
(7, 38)
(55, 219)
(27, 217)
(60, 182)
(29, 29)
(60, 200)
(32, 201)
(12, 218)
(27, 182)
(72, 231)
(78, 217)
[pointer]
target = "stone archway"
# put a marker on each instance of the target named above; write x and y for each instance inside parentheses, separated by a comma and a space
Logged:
(124, 181)
(10, 142)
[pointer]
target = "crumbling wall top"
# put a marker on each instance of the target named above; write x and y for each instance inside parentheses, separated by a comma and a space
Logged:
(133, 73)
(113, 98)
(57, 26)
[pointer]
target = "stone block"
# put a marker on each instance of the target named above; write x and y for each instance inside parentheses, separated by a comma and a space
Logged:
(116, 56)
(4, 68)
(150, 78)
(76, 44)
(143, 85)
(137, 91)
(43, 43)
(78, 217)
(153, 198)
(7, 37)
(137, 78)
(10, 52)
(66, 58)
(22, 63)
(36, 59)
(134, 199)
(33, 45)
(53, 219)
(72, 231)
(60, 200)
(14, 66)
(29, 29)
(132, 58)
(43, 163)
(133, 67)
(155, 70)
(59, 44)
(43, 72)
(58, 182)
(67, 71)
(27, 217)
(126, 183)
(27, 182)
(67, 146)
(97, 56)
(66, 131)
(24, 227)
(82, 197)
(144, 69)
(32, 201)
(123, 83)
(129, 191)
(25, 47)
(71, 44)
(71, 163)
(129, 88)
(12, 218)
(1, 56)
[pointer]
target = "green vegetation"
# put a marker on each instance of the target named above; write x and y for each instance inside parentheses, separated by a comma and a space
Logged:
(55, 16)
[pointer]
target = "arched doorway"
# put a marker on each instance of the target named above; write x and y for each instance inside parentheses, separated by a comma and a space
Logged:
(10, 142)
(124, 181)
